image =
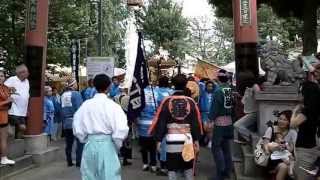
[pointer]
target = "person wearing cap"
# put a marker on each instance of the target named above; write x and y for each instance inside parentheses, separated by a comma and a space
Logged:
(71, 100)
(126, 150)
(102, 125)
(222, 127)
(49, 111)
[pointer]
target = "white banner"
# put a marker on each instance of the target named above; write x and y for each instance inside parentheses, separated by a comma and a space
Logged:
(100, 65)
(131, 43)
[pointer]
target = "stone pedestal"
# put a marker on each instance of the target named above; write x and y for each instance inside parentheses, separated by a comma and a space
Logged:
(275, 98)
(35, 143)
(38, 147)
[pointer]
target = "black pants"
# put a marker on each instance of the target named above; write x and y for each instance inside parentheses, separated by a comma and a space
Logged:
(126, 149)
(163, 164)
(16, 121)
(69, 137)
(148, 148)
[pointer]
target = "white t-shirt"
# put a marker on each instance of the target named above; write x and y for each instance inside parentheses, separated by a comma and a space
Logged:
(21, 98)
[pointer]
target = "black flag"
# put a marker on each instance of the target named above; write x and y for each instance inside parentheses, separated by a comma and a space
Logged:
(139, 82)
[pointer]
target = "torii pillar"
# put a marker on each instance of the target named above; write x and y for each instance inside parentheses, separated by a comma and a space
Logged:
(245, 33)
(35, 59)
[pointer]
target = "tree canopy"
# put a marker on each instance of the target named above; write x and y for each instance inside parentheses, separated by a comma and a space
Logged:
(12, 15)
(163, 24)
(304, 10)
(68, 20)
(273, 27)
(211, 40)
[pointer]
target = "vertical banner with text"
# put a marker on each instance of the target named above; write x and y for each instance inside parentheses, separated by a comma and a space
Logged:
(74, 58)
(140, 81)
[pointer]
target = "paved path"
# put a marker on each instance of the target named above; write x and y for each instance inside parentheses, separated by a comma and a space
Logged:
(59, 171)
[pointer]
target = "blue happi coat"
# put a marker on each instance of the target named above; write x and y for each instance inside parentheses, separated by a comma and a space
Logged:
(70, 103)
(57, 108)
(48, 115)
(162, 93)
(88, 93)
(114, 91)
(206, 101)
(147, 114)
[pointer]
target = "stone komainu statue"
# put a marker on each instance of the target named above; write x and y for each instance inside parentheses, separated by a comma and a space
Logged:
(277, 66)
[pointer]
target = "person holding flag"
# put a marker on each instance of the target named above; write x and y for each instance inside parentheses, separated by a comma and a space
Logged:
(139, 83)
(136, 81)
(146, 141)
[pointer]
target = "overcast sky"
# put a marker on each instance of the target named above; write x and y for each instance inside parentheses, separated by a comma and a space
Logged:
(194, 8)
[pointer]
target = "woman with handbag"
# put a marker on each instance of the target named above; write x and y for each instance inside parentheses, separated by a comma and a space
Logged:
(5, 101)
(279, 142)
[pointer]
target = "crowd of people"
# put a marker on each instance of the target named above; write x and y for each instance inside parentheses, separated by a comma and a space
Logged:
(180, 115)
(176, 110)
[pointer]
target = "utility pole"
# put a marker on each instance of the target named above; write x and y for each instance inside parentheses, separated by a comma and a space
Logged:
(100, 29)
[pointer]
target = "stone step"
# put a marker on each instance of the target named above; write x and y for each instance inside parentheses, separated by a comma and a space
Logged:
(249, 166)
(237, 154)
(23, 163)
(47, 156)
(16, 148)
(238, 166)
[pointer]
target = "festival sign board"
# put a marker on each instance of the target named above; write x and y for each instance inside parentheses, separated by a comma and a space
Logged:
(100, 65)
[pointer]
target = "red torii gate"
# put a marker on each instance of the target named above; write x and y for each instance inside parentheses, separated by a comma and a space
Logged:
(246, 35)
(35, 59)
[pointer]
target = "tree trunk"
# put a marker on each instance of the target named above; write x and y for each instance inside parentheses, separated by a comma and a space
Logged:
(310, 41)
